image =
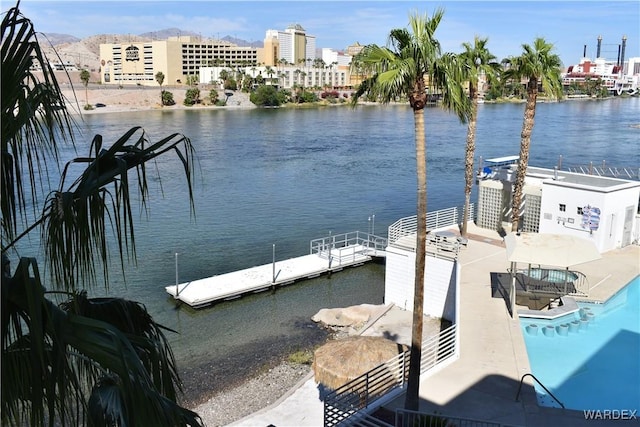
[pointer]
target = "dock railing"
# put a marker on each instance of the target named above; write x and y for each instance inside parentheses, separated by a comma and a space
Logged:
(348, 247)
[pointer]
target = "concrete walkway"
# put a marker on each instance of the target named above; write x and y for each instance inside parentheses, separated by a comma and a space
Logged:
(483, 382)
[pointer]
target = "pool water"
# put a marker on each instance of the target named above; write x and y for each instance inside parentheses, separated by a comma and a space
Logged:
(589, 360)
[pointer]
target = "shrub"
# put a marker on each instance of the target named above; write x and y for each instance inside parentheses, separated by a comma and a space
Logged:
(308, 97)
(330, 94)
(167, 98)
(266, 96)
(213, 96)
(192, 96)
(301, 357)
(231, 84)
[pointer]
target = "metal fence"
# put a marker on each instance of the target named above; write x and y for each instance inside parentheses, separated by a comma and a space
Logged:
(606, 171)
(362, 392)
(569, 282)
(435, 220)
(368, 390)
(348, 247)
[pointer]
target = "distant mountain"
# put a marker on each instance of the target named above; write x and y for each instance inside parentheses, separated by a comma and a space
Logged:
(244, 43)
(166, 33)
(56, 38)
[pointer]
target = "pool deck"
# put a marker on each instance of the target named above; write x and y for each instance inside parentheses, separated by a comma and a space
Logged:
(483, 382)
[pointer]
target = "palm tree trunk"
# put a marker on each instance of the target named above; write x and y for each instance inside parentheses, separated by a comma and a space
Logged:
(525, 144)
(469, 154)
(413, 385)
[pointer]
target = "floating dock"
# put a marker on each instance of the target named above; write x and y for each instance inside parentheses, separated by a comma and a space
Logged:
(328, 254)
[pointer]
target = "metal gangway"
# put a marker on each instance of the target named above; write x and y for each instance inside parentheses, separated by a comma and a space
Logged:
(349, 247)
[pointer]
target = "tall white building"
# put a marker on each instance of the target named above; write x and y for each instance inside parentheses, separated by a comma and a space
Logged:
(293, 45)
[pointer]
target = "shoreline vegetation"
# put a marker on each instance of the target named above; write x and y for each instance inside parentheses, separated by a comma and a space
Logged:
(127, 99)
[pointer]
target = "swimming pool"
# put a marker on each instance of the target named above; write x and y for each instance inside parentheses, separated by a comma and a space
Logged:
(590, 359)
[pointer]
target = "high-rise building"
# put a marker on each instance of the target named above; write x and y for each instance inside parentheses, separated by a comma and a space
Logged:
(292, 45)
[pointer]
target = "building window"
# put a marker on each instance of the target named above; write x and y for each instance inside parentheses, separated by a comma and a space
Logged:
(563, 207)
(579, 211)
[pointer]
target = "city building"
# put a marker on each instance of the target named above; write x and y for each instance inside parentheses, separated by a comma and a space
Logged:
(292, 45)
(178, 58)
(286, 76)
(340, 59)
(617, 76)
(601, 208)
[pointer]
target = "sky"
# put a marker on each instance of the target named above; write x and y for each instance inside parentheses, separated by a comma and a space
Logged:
(568, 25)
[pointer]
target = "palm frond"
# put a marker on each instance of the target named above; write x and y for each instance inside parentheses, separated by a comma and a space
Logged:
(147, 337)
(58, 359)
(32, 118)
(74, 367)
(79, 219)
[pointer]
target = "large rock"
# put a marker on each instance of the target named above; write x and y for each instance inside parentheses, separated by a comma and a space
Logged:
(347, 316)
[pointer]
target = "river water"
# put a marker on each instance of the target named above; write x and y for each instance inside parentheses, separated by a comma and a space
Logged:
(286, 176)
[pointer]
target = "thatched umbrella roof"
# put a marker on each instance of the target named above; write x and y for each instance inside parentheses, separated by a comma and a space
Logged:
(340, 361)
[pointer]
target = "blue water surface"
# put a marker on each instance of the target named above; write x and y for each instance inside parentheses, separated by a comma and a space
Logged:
(597, 366)
(285, 176)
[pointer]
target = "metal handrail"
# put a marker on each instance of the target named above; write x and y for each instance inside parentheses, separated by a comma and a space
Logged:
(541, 385)
(435, 220)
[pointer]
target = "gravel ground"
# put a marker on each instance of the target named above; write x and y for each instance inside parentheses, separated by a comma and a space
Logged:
(253, 395)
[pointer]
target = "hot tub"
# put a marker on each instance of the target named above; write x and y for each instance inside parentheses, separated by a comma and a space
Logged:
(551, 275)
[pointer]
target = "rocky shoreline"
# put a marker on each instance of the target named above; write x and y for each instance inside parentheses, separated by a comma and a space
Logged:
(227, 389)
(223, 392)
(252, 395)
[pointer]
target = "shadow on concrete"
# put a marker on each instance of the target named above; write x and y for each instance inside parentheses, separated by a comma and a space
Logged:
(493, 400)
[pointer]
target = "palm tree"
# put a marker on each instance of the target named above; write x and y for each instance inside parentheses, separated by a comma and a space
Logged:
(540, 67)
(84, 77)
(160, 80)
(68, 359)
(477, 61)
(270, 71)
(403, 71)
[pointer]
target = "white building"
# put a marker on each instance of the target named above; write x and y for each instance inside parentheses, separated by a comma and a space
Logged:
(599, 208)
(286, 76)
(330, 56)
(294, 45)
(615, 78)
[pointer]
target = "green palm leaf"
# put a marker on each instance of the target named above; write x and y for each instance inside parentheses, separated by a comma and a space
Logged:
(32, 114)
(77, 220)
(72, 357)
(86, 362)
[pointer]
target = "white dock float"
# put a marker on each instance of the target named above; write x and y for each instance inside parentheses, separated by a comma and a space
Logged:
(201, 292)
